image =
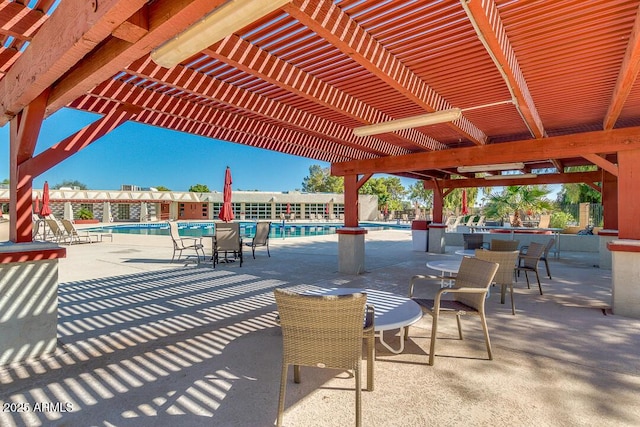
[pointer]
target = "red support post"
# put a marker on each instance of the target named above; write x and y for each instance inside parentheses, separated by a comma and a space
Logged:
(351, 201)
(610, 200)
(351, 186)
(438, 202)
(628, 201)
(24, 131)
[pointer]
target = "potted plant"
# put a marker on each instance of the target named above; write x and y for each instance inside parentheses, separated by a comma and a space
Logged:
(85, 216)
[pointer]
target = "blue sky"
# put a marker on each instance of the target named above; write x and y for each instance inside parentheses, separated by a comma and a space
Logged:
(149, 156)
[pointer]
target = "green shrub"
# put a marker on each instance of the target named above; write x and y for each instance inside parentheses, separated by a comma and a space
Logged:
(561, 220)
(85, 214)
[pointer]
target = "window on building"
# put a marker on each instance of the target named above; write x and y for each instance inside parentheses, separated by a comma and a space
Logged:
(258, 210)
(124, 211)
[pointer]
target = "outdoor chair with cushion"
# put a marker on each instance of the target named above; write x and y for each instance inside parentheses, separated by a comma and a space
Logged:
(323, 331)
(184, 243)
(76, 236)
(469, 293)
(227, 240)
(473, 240)
(261, 237)
(550, 244)
(528, 261)
(54, 232)
(506, 271)
(504, 245)
(38, 230)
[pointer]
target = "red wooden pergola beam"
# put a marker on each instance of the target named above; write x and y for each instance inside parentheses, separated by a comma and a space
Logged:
(552, 178)
(73, 58)
(27, 127)
(20, 21)
(602, 163)
(76, 142)
(486, 19)
(329, 21)
(59, 45)
(575, 145)
(627, 76)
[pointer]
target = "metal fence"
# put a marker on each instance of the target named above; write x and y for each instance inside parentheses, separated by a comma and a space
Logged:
(596, 218)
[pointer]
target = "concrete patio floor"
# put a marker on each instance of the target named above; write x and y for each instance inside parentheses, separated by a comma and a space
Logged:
(143, 342)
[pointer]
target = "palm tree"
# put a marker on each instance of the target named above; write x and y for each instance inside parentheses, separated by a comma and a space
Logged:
(516, 199)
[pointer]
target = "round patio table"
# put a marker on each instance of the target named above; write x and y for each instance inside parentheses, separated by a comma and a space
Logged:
(448, 266)
(391, 311)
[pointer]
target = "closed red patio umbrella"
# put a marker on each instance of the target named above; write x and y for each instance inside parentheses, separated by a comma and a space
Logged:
(288, 208)
(37, 205)
(46, 209)
(465, 209)
(226, 213)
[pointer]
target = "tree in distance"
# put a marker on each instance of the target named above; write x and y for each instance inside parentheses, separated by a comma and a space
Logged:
(199, 188)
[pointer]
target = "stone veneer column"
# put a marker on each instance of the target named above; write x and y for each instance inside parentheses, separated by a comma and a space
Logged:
(605, 237)
(106, 212)
(351, 250)
(625, 277)
(28, 300)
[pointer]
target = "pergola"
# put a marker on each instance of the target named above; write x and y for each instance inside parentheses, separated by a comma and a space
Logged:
(551, 84)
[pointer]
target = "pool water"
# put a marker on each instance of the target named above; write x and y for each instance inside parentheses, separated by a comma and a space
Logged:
(247, 229)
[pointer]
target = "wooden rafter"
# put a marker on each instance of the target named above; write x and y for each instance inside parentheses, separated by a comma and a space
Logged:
(330, 22)
(20, 21)
(487, 23)
(234, 96)
(627, 76)
(558, 165)
(173, 113)
(596, 187)
(605, 164)
(181, 109)
(556, 147)
(249, 58)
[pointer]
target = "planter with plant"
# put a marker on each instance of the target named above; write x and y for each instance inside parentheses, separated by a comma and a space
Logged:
(85, 216)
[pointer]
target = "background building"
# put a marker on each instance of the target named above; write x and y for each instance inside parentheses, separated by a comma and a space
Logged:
(150, 205)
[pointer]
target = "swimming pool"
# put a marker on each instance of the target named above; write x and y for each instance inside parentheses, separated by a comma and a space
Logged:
(247, 228)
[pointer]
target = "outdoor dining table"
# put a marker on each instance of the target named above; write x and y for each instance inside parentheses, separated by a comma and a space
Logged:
(466, 252)
(391, 311)
(448, 266)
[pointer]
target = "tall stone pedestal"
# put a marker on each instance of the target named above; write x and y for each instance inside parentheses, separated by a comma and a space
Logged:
(351, 250)
(436, 238)
(625, 277)
(606, 236)
(28, 300)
